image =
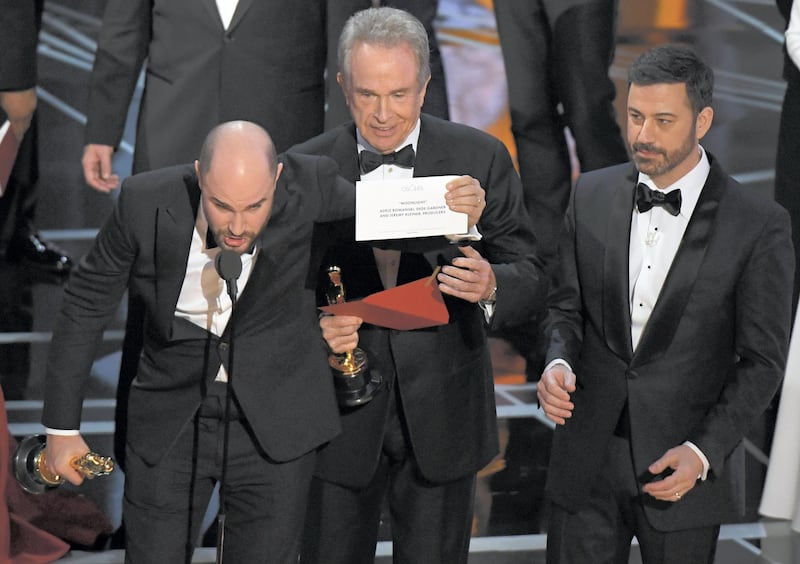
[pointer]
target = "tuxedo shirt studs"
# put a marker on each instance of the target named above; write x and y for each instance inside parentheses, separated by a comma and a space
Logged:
(656, 232)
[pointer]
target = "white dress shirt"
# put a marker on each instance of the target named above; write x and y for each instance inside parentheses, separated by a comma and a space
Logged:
(204, 298)
(792, 34)
(226, 9)
(654, 240)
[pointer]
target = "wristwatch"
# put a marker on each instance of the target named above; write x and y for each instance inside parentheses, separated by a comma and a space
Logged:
(492, 297)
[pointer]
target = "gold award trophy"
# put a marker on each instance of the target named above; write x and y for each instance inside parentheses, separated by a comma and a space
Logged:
(354, 383)
(35, 477)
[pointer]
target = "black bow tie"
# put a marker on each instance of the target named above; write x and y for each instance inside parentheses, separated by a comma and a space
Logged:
(646, 198)
(369, 161)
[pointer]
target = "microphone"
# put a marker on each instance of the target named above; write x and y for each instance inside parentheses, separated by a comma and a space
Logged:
(229, 266)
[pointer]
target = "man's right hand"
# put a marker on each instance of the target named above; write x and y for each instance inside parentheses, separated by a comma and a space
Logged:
(340, 332)
(97, 172)
(61, 450)
(553, 390)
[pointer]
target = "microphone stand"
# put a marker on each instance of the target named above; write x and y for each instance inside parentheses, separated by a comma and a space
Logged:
(229, 266)
(226, 431)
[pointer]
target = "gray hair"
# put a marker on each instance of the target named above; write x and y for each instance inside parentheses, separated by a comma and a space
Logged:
(387, 27)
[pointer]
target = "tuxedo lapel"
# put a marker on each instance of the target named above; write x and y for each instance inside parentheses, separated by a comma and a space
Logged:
(257, 287)
(238, 14)
(616, 304)
(345, 153)
(668, 310)
(174, 228)
(430, 159)
(211, 7)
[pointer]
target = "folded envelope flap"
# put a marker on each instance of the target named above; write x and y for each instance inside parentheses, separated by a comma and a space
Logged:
(414, 305)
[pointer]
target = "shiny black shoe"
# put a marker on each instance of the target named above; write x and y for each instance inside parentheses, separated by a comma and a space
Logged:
(34, 252)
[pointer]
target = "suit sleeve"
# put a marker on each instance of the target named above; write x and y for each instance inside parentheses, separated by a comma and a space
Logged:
(91, 298)
(763, 319)
(17, 44)
(563, 326)
(338, 194)
(509, 245)
(121, 50)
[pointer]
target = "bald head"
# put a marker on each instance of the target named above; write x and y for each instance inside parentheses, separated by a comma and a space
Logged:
(242, 142)
(237, 171)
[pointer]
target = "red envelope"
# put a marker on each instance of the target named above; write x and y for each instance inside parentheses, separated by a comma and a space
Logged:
(414, 305)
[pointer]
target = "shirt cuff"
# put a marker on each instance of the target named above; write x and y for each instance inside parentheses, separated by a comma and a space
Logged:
(488, 310)
(62, 432)
(553, 362)
(472, 235)
(706, 465)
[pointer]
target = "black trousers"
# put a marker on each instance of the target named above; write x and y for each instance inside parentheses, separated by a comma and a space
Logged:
(164, 504)
(430, 523)
(602, 530)
(557, 54)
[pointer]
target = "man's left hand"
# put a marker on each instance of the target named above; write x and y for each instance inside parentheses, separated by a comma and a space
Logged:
(470, 277)
(686, 466)
(465, 195)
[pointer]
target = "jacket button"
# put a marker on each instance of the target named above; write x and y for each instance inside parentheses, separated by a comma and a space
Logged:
(631, 375)
(223, 346)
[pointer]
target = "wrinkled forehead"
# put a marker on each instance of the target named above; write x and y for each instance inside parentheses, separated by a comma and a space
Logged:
(658, 98)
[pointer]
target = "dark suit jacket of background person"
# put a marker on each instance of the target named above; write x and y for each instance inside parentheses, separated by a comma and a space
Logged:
(267, 67)
(18, 71)
(557, 55)
(280, 359)
(444, 373)
(785, 8)
(709, 359)
(17, 45)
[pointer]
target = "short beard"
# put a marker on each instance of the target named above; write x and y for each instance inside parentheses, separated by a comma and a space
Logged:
(219, 237)
(659, 167)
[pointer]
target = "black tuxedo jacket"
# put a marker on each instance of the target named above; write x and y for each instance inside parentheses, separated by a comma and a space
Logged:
(444, 373)
(709, 359)
(267, 67)
(280, 362)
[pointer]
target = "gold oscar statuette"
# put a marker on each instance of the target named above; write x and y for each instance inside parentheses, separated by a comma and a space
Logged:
(31, 471)
(355, 384)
